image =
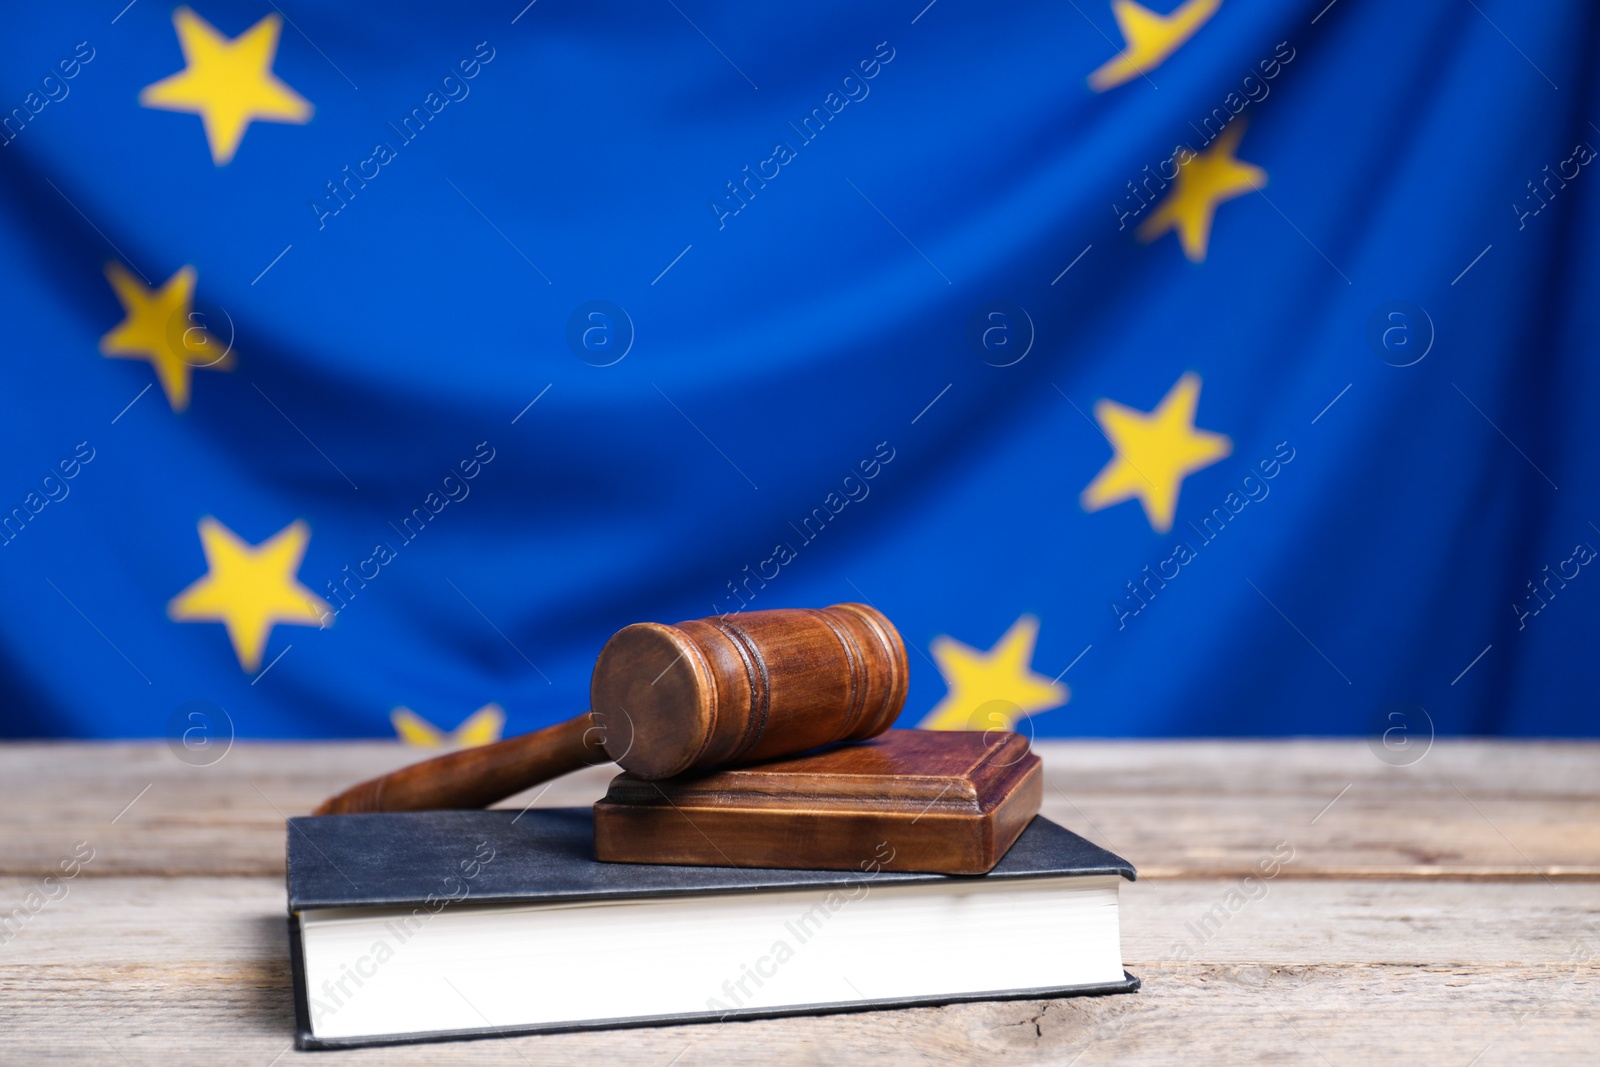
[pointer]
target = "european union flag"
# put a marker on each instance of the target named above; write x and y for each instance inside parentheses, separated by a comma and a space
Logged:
(1213, 368)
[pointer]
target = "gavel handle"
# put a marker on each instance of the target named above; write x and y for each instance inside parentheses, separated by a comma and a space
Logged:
(477, 777)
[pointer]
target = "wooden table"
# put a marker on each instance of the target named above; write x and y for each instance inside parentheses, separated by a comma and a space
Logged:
(1444, 912)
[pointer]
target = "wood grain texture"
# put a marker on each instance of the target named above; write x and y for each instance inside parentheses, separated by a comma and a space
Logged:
(223, 819)
(1175, 809)
(948, 802)
(193, 970)
(1225, 1014)
(666, 700)
(477, 777)
(740, 689)
(1429, 914)
(1467, 809)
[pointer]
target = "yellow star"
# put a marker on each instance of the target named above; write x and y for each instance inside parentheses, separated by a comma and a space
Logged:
(1150, 38)
(992, 690)
(1154, 453)
(482, 727)
(227, 82)
(160, 326)
(1204, 181)
(251, 588)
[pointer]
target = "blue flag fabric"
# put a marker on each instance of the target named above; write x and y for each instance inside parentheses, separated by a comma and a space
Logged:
(1219, 368)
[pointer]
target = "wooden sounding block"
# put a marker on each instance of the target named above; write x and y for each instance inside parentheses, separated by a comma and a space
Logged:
(949, 802)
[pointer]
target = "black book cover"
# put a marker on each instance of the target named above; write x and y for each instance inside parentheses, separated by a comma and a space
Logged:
(406, 859)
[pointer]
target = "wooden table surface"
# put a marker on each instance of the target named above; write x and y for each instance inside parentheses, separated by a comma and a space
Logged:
(1443, 912)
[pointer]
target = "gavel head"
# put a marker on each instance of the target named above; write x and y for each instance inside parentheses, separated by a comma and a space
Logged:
(745, 688)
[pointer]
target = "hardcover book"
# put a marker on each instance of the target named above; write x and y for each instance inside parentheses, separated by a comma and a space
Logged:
(428, 926)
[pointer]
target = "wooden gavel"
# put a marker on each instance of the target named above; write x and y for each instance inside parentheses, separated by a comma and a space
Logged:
(691, 697)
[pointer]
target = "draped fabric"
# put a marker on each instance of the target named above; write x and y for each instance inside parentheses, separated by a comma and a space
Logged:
(1221, 368)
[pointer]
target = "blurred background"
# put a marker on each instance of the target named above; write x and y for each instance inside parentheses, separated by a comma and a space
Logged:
(1214, 368)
